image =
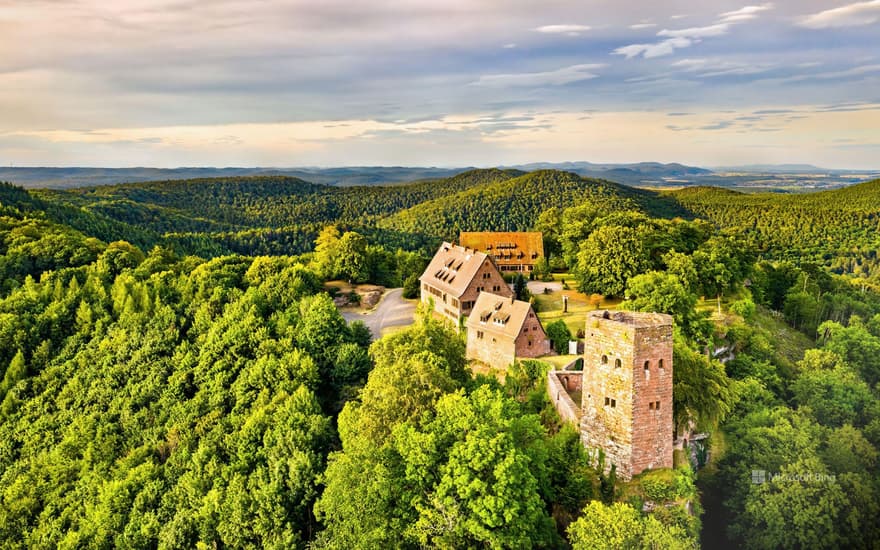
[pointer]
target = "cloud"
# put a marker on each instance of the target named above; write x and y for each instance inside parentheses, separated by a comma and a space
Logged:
(690, 64)
(707, 68)
(676, 39)
(697, 32)
(570, 30)
(745, 13)
(558, 77)
(509, 46)
(640, 26)
(851, 15)
(658, 49)
(719, 125)
(857, 71)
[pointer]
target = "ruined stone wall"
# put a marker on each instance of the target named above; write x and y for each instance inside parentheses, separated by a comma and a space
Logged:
(627, 408)
(606, 421)
(491, 349)
(652, 399)
(568, 410)
(571, 380)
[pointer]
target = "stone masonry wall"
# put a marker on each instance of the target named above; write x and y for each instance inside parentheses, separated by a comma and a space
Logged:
(571, 380)
(491, 350)
(627, 410)
(652, 399)
(606, 421)
(532, 341)
(566, 407)
(494, 280)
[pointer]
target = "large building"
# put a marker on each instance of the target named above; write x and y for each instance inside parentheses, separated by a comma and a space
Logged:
(622, 400)
(512, 251)
(455, 278)
(502, 329)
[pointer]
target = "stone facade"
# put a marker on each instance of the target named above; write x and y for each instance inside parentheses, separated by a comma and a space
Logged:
(627, 390)
(487, 279)
(501, 330)
(455, 277)
(561, 385)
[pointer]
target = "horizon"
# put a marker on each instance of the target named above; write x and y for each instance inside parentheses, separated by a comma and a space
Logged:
(746, 167)
(482, 83)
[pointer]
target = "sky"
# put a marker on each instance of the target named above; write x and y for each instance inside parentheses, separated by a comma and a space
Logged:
(287, 83)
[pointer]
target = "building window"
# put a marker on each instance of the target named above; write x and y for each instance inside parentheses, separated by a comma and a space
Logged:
(496, 288)
(647, 366)
(660, 363)
(604, 359)
(617, 363)
(656, 405)
(651, 406)
(487, 275)
(480, 334)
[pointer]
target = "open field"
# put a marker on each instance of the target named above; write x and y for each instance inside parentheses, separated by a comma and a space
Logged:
(550, 308)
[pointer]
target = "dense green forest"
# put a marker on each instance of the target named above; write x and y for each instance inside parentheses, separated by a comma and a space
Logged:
(173, 375)
(839, 229)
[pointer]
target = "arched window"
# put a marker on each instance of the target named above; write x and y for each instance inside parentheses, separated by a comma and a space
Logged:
(604, 359)
(647, 366)
(660, 363)
(617, 363)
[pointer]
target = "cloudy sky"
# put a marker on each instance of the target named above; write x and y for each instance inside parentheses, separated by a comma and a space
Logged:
(446, 83)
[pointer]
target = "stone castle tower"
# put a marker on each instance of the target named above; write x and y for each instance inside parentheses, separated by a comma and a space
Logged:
(626, 402)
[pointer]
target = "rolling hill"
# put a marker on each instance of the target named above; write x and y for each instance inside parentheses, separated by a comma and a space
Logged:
(838, 228)
(514, 204)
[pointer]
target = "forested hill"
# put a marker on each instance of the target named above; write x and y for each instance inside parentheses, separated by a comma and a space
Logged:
(839, 228)
(283, 215)
(514, 204)
(258, 202)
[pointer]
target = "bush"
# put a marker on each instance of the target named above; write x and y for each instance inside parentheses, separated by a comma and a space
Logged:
(559, 336)
(745, 308)
(411, 287)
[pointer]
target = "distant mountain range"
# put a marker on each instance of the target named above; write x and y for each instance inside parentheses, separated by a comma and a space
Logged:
(786, 177)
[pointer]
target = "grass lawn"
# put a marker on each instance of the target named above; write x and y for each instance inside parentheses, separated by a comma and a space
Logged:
(550, 305)
(558, 361)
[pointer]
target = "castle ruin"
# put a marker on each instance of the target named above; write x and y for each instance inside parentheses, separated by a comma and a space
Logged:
(622, 400)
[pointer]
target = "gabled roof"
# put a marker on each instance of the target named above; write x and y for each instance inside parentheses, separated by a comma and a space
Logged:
(453, 268)
(520, 246)
(499, 315)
